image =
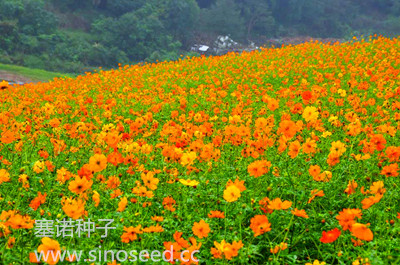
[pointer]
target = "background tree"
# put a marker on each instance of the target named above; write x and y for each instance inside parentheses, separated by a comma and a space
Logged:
(180, 18)
(256, 15)
(223, 18)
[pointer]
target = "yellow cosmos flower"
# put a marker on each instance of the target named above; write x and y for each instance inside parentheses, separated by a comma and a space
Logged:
(310, 114)
(231, 193)
(38, 167)
(188, 182)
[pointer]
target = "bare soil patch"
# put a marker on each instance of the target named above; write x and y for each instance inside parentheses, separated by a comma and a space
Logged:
(15, 78)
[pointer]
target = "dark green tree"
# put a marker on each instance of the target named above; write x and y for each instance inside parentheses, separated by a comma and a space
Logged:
(205, 3)
(223, 18)
(257, 16)
(117, 8)
(180, 18)
(36, 20)
(138, 33)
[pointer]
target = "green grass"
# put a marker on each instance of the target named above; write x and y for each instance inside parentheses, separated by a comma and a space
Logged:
(34, 74)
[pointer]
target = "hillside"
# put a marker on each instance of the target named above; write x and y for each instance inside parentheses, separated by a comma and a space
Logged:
(71, 36)
(21, 75)
(283, 156)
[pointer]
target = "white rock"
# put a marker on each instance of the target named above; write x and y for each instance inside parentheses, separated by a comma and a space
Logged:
(203, 48)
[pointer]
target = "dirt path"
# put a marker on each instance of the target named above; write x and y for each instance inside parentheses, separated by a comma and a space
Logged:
(15, 78)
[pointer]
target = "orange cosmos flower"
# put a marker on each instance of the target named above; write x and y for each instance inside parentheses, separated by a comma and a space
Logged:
(297, 108)
(201, 229)
(226, 250)
(314, 171)
(264, 205)
(368, 202)
(260, 225)
(112, 139)
(299, 213)
(113, 182)
(259, 168)
(391, 170)
(333, 159)
(33, 258)
(40, 199)
(357, 242)
(361, 157)
(58, 146)
(86, 171)
(361, 231)
(14, 221)
(280, 247)
(10, 242)
(180, 240)
(4, 176)
(54, 122)
(239, 184)
(98, 162)
(79, 185)
(309, 146)
(377, 188)
(51, 249)
(232, 193)
(294, 149)
(288, 128)
(306, 95)
(63, 175)
(175, 247)
(122, 204)
(169, 203)
(142, 192)
(351, 187)
(393, 153)
(96, 198)
(315, 193)
(73, 208)
(149, 180)
(157, 218)
(273, 104)
(7, 137)
(24, 179)
(282, 143)
(216, 214)
(347, 217)
(330, 236)
(49, 165)
(115, 158)
(324, 176)
(378, 141)
(131, 233)
(115, 262)
(153, 229)
(261, 123)
(20, 222)
(277, 204)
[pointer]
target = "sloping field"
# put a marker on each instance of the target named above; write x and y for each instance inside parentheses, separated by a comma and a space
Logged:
(283, 156)
(19, 74)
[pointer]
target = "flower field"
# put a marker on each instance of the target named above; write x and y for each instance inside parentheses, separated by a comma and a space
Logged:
(279, 156)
